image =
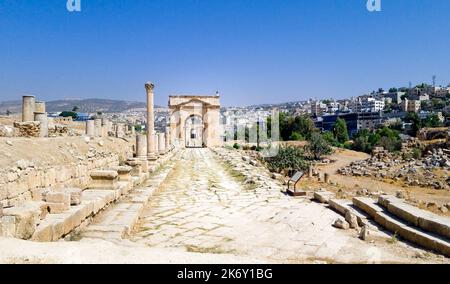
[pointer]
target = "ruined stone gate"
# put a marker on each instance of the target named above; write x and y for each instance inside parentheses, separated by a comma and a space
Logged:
(195, 120)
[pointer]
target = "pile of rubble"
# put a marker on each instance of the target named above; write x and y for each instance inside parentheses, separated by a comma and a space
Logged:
(27, 129)
(414, 172)
(59, 130)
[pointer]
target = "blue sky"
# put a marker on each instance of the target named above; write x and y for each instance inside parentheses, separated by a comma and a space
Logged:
(252, 51)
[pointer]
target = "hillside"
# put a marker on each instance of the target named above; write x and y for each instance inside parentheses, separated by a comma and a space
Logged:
(84, 105)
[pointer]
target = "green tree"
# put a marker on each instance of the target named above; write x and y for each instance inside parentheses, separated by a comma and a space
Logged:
(318, 146)
(414, 118)
(433, 121)
(340, 131)
(393, 90)
(361, 141)
(304, 125)
(68, 113)
(329, 137)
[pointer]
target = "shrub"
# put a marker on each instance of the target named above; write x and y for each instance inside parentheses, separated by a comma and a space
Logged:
(288, 158)
(236, 146)
(295, 136)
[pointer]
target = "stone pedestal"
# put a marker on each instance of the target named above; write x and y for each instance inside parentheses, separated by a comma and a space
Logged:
(28, 105)
(90, 128)
(141, 146)
(124, 173)
(161, 143)
(104, 180)
(41, 117)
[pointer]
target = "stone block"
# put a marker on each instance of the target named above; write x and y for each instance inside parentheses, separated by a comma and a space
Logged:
(323, 196)
(58, 197)
(27, 216)
(75, 195)
(8, 226)
(104, 179)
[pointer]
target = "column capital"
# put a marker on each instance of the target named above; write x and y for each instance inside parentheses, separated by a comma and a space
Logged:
(149, 86)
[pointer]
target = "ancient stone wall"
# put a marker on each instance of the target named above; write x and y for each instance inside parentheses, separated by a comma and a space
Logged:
(18, 181)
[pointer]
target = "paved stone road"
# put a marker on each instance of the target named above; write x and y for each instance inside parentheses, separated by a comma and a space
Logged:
(201, 207)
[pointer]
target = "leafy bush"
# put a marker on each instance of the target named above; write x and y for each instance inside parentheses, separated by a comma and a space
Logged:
(236, 146)
(295, 136)
(289, 158)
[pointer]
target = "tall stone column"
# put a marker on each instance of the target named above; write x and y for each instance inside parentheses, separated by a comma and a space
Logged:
(161, 143)
(28, 105)
(151, 149)
(39, 107)
(43, 127)
(98, 127)
(90, 128)
(141, 146)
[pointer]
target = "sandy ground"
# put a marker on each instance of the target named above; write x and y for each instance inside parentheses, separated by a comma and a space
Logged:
(350, 184)
(103, 252)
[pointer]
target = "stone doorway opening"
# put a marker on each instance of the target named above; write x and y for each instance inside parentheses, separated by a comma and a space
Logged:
(194, 132)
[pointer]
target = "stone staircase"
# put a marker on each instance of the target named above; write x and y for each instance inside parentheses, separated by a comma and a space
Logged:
(417, 226)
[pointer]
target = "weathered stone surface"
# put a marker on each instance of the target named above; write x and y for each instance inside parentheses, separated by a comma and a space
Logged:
(323, 196)
(26, 217)
(58, 197)
(75, 195)
(351, 220)
(341, 224)
(57, 208)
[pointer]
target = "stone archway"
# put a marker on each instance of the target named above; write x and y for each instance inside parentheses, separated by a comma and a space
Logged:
(204, 109)
(194, 130)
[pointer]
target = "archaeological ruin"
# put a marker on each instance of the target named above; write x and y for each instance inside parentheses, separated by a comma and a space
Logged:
(107, 187)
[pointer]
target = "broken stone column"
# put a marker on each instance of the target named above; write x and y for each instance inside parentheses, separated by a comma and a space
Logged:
(39, 107)
(98, 127)
(167, 140)
(28, 105)
(141, 146)
(310, 172)
(90, 128)
(105, 127)
(41, 117)
(161, 143)
(120, 131)
(151, 149)
(327, 178)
